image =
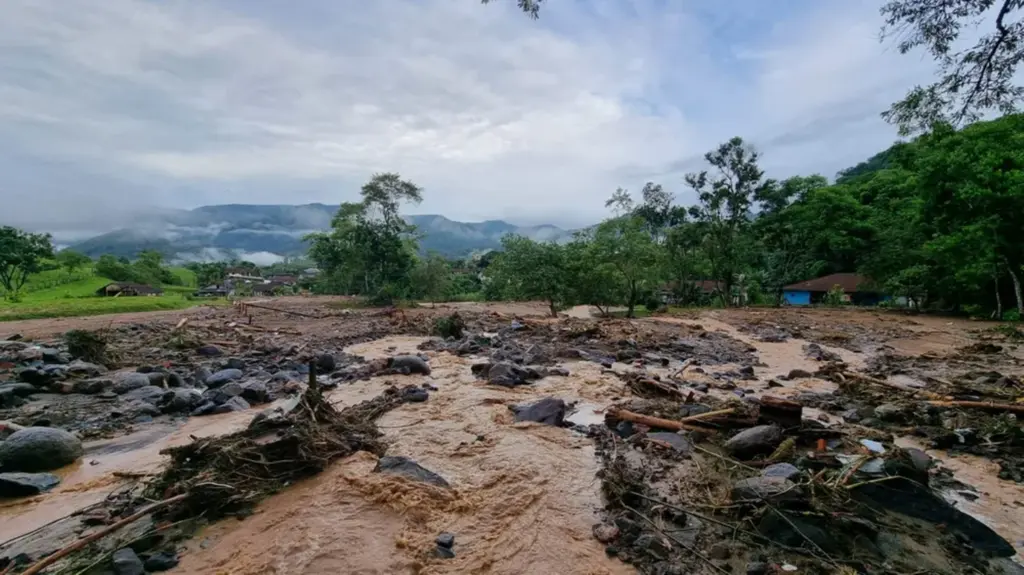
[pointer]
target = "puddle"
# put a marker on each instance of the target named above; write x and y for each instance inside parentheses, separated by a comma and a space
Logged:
(586, 414)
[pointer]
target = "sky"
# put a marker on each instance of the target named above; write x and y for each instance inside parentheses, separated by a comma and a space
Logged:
(112, 108)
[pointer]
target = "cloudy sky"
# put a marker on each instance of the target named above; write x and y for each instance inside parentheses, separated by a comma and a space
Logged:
(109, 107)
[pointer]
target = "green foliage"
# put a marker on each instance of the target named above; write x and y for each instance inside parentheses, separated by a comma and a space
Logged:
(531, 270)
(627, 247)
(208, 273)
(449, 326)
(89, 346)
(71, 261)
(835, 296)
(432, 277)
(21, 254)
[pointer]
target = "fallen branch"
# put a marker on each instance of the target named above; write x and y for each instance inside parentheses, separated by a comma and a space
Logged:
(38, 566)
(708, 415)
(181, 323)
(986, 405)
(650, 421)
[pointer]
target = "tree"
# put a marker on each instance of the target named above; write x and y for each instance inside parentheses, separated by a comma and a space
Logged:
(149, 269)
(724, 208)
(432, 276)
(625, 244)
(371, 248)
(591, 279)
(531, 270)
(530, 7)
(21, 253)
(71, 260)
(972, 80)
(116, 269)
(208, 273)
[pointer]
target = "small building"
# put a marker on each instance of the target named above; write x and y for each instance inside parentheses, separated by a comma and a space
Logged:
(212, 291)
(283, 279)
(127, 289)
(271, 288)
(856, 290)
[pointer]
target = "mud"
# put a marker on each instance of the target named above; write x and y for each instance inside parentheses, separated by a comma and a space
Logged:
(532, 498)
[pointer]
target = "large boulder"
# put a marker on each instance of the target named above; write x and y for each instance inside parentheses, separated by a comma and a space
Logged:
(223, 393)
(234, 404)
(223, 376)
(125, 382)
(149, 394)
(39, 449)
(16, 484)
(409, 364)
(19, 389)
(549, 411)
(92, 386)
(409, 469)
(81, 368)
(255, 392)
(510, 375)
(180, 399)
(754, 441)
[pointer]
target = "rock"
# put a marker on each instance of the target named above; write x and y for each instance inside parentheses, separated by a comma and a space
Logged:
(175, 380)
(549, 411)
(204, 408)
(10, 400)
(753, 441)
(126, 562)
(703, 388)
(17, 484)
(19, 389)
(799, 374)
(223, 376)
(39, 449)
(445, 540)
(255, 392)
(444, 552)
(655, 545)
(149, 394)
(200, 375)
(234, 404)
(209, 351)
(415, 395)
(286, 375)
(163, 561)
(412, 363)
(558, 371)
(51, 355)
(180, 399)
(605, 533)
(223, 393)
(720, 550)
(405, 467)
(325, 363)
(125, 382)
(92, 386)
(757, 568)
(919, 459)
(850, 415)
(106, 395)
(157, 378)
(234, 363)
(507, 375)
(768, 488)
(30, 354)
(34, 377)
(747, 371)
(890, 412)
(783, 470)
(680, 443)
(81, 368)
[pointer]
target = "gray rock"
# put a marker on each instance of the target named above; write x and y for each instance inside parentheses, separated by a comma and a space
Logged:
(39, 449)
(405, 467)
(19, 389)
(10, 400)
(919, 459)
(753, 441)
(223, 376)
(415, 395)
(286, 375)
(720, 550)
(234, 363)
(680, 443)
(653, 544)
(200, 375)
(783, 470)
(768, 488)
(703, 388)
(81, 368)
(204, 408)
(234, 404)
(851, 415)
(36, 377)
(890, 412)
(175, 380)
(549, 411)
(445, 540)
(255, 392)
(223, 393)
(30, 354)
(413, 363)
(157, 378)
(325, 363)
(444, 552)
(180, 399)
(125, 382)
(26, 484)
(757, 568)
(209, 351)
(51, 355)
(507, 375)
(92, 386)
(799, 374)
(163, 561)
(126, 562)
(138, 407)
(149, 394)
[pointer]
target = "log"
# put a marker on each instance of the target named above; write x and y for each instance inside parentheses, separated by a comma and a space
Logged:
(51, 559)
(986, 405)
(650, 421)
(708, 415)
(781, 411)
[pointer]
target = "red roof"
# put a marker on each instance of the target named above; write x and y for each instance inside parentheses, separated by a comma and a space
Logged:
(850, 283)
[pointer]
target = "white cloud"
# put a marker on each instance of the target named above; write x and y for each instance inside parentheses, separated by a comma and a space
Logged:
(496, 115)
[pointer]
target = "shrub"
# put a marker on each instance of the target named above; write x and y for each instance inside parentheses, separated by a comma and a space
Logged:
(449, 326)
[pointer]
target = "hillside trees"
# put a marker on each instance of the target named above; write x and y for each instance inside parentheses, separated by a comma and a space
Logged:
(21, 254)
(71, 261)
(432, 276)
(530, 270)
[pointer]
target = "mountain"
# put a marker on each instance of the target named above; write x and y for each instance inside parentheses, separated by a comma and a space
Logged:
(271, 232)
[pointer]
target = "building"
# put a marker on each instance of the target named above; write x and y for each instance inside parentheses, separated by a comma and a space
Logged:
(212, 291)
(272, 288)
(856, 290)
(283, 279)
(702, 289)
(127, 289)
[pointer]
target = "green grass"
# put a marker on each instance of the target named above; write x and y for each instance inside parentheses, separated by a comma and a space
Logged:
(186, 277)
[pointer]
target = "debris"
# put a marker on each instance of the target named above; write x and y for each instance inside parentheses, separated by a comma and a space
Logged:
(549, 411)
(656, 422)
(784, 412)
(405, 467)
(765, 488)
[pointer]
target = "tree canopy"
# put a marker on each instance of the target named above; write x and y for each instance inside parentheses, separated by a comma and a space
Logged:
(21, 254)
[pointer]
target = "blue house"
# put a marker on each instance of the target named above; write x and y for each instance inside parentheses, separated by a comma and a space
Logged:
(813, 291)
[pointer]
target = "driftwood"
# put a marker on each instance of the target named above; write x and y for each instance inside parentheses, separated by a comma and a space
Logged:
(650, 421)
(782, 411)
(986, 405)
(38, 566)
(708, 415)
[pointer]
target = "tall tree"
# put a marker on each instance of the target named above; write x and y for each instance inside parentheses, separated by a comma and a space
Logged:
(72, 261)
(432, 276)
(626, 245)
(725, 201)
(592, 280)
(21, 253)
(971, 81)
(530, 7)
(527, 269)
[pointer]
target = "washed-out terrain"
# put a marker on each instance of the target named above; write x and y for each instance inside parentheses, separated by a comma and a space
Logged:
(727, 441)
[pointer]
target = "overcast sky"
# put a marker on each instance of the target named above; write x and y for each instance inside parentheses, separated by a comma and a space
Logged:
(108, 107)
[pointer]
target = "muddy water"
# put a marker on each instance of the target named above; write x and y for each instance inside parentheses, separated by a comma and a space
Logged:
(524, 495)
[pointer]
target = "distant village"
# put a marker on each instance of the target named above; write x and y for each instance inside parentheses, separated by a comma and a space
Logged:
(250, 281)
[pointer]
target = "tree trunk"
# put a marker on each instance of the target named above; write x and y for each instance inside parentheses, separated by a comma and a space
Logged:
(999, 300)
(632, 299)
(551, 306)
(1017, 290)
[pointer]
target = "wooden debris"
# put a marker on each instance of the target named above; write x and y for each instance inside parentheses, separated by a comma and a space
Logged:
(650, 421)
(781, 411)
(986, 405)
(867, 379)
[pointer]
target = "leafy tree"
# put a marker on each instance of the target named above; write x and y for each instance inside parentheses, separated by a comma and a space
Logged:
(21, 254)
(724, 209)
(626, 246)
(531, 270)
(971, 81)
(208, 273)
(72, 261)
(432, 276)
(113, 268)
(149, 269)
(530, 7)
(592, 280)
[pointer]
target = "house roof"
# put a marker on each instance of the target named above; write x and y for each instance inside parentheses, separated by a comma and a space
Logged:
(851, 283)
